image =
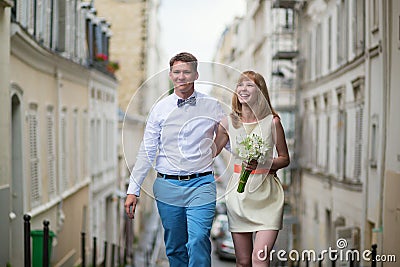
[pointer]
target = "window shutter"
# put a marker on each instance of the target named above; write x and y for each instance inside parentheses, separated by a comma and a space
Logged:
(358, 143)
(34, 158)
(61, 10)
(30, 16)
(22, 7)
(47, 22)
(51, 160)
(39, 20)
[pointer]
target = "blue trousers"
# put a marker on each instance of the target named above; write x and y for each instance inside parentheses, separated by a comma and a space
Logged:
(187, 210)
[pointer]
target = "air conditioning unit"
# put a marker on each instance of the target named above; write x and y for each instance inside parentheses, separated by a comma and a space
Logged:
(351, 235)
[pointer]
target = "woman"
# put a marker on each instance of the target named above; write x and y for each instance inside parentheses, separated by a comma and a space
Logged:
(259, 209)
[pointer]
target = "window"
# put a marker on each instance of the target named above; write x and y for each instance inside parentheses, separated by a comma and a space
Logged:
(31, 12)
(375, 15)
(358, 91)
(96, 39)
(342, 31)
(72, 29)
(64, 150)
(327, 131)
(14, 10)
(318, 50)
(310, 74)
(106, 139)
(43, 21)
(316, 132)
(61, 25)
(341, 136)
(327, 144)
(358, 26)
(99, 140)
(22, 12)
(289, 19)
(33, 127)
(306, 144)
(89, 39)
(288, 123)
(51, 154)
(373, 158)
(358, 143)
(329, 43)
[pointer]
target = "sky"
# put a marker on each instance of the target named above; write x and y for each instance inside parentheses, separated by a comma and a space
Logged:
(195, 26)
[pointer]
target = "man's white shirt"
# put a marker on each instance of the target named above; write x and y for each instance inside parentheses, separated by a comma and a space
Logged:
(179, 138)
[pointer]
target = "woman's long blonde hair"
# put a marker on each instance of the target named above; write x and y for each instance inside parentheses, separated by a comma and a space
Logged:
(263, 107)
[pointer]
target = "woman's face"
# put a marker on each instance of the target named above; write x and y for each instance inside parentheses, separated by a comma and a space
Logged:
(247, 92)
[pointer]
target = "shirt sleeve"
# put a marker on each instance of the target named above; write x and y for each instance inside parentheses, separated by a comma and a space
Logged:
(146, 155)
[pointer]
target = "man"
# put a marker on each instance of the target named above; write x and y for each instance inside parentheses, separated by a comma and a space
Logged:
(181, 128)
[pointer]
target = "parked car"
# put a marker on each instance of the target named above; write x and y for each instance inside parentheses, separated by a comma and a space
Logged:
(217, 226)
(224, 244)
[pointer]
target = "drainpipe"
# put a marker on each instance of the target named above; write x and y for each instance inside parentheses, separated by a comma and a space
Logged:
(60, 214)
(385, 83)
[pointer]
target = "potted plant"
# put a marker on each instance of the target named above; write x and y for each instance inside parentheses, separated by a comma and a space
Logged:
(113, 66)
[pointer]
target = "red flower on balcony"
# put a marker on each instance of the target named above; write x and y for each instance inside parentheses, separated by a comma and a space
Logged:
(101, 57)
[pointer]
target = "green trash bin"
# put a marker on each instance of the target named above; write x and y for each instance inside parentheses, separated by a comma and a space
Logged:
(37, 247)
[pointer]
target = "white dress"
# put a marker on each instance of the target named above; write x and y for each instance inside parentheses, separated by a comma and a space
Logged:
(260, 206)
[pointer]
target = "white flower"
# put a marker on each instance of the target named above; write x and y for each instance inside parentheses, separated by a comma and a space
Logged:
(252, 147)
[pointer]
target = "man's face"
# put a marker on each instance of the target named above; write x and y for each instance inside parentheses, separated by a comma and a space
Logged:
(183, 76)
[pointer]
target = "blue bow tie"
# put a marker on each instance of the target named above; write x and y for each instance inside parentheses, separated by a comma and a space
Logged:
(191, 101)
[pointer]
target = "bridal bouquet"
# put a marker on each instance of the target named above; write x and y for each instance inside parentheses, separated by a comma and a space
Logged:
(250, 148)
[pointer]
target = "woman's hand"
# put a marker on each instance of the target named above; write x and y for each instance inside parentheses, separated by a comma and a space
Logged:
(251, 165)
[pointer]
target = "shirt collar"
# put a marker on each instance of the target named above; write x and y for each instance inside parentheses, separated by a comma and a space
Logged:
(176, 97)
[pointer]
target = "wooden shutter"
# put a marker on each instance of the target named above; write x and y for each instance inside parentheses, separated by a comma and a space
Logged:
(51, 159)
(34, 157)
(358, 143)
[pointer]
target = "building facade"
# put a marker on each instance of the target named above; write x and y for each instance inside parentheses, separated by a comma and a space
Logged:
(142, 82)
(347, 80)
(330, 67)
(5, 134)
(52, 66)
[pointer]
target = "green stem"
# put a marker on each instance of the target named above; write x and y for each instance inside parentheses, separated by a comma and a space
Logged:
(244, 175)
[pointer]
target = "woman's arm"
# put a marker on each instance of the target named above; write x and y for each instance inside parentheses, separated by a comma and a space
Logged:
(221, 137)
(283, 159)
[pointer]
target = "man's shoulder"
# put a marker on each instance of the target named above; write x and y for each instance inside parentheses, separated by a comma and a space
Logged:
(164, 102)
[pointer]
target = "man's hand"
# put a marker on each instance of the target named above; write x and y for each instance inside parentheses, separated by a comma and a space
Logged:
(130, 201)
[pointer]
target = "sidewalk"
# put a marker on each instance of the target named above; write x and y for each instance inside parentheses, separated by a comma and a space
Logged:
(150, 250)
